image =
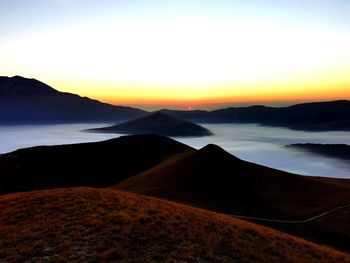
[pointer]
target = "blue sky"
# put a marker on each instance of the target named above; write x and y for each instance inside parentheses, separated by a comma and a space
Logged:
(40, 14)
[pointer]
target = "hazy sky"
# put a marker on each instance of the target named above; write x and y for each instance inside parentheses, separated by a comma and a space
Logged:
(181, 52)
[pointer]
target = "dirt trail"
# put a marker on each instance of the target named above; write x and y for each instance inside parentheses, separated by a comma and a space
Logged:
(293, 221)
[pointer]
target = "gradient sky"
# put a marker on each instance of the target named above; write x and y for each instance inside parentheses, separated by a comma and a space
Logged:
(181, 53)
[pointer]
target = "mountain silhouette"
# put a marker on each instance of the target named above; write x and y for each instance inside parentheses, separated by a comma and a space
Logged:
(158, 123)
(317, 116)
(24, 100)
(339, 151)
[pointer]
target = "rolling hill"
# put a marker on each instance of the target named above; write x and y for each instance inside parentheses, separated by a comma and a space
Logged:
(158, 123)
(213, 179)
(30, 101)
(90, 225)
(208, 178)
(100, 164)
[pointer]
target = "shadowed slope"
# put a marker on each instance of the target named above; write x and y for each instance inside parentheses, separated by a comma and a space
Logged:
(158, 123)
(213, 179)
(99, 164)
(89, 225)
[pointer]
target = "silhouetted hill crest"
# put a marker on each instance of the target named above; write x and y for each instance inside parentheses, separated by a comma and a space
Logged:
(98, 164)
(215, 152)
(159, 123)
(19, 86)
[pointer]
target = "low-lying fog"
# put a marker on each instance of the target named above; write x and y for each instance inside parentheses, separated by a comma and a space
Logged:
(265, 145)
(254, 143)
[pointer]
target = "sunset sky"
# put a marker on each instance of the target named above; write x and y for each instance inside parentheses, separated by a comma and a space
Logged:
(181, 53)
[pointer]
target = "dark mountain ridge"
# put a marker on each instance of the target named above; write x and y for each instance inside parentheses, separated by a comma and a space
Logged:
(98, 164)
(30, 101)
(24, 100)
(18, 86)
(317, 116)
(339, 151)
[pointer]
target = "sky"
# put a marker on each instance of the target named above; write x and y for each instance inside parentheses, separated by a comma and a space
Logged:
(180, 54)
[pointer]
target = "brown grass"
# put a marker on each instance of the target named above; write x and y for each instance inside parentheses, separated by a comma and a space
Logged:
(90, 225)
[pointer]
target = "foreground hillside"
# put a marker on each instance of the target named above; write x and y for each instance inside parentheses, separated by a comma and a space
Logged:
(208, 178)
(89, 225)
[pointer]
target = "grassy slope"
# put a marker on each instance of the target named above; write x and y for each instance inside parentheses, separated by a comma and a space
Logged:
(208, 178)
(212, 179)
(90, 225)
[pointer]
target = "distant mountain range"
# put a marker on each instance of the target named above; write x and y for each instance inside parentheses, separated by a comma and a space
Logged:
(317, 116)
(159, 123)
(24, 100)
(339, 151)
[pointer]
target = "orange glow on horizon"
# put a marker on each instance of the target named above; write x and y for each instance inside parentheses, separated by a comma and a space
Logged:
(199, 96)
(262, 98)
(331, 83)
